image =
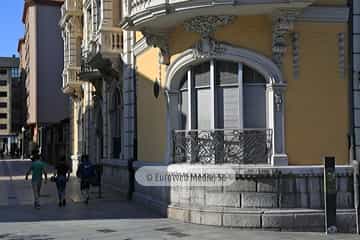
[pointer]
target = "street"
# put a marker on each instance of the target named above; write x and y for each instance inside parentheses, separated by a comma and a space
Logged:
(111, 217)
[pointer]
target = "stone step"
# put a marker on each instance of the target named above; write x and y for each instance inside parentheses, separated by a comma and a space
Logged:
(312, 220)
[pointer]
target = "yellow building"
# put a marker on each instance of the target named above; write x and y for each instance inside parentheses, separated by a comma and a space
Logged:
(261, 88)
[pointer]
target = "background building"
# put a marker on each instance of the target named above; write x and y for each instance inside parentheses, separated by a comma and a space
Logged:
(42, 54)
(12, 110)
(92, 77)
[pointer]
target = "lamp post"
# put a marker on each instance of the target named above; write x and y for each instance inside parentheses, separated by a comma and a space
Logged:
(22, 142)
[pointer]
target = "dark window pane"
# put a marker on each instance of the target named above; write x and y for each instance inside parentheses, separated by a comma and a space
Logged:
(201, 75)
(3, 105)
(3, 82)
(226, 73)
(3, 71)
(3, 94)
(184, 106)
(3, 126)
(251, 76)
(254, 106)
(184, 83)
(3, 115)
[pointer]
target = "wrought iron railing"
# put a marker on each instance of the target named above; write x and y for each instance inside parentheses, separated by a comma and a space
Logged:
(237, 146)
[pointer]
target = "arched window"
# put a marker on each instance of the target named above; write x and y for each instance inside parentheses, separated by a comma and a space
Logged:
(115, 115)
(236, 101)
(222, 114)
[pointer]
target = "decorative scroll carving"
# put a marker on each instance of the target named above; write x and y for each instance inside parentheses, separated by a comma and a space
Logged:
(283, 23)
(161, 42)
(207, 25)
(296, 56)
(341, 49)
(208, 47)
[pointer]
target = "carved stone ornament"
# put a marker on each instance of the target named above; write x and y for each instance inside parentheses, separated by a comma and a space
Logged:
(208, 47)
(161, 42)
(283, 23)
(207, 25)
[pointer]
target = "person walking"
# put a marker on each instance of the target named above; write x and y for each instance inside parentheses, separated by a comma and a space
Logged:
(37, 169)
(61, 177)
(85, 172)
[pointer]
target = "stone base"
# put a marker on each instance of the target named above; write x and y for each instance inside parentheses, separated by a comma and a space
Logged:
(268, 219)
(277, 198)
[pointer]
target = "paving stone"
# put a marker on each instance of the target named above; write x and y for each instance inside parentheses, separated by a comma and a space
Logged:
(177, 213)
(267, 185)
(344, 200)
(259, 200)
(309, 220)
(242, 220)
(195, 216)
(301, 185)
(223, 199)
(211, 218)
(197, 196)
(346, 222)
(314, 184)
(345, 184)
(241, 185)
(316, 200)
(287, 185)
(278, 221)
(289, 200)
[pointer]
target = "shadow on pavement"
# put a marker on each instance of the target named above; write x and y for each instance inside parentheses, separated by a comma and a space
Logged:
(96, 210)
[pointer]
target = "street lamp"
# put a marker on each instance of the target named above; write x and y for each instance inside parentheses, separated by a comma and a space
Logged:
(22, 142)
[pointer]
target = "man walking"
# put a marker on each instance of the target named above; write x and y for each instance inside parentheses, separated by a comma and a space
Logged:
(37, 169)
(62, 176)
(85, 172)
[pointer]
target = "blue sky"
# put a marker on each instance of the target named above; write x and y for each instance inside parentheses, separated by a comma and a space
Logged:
(11, 27)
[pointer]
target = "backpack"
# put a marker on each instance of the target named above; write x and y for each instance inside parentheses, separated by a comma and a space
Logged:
(87, 170)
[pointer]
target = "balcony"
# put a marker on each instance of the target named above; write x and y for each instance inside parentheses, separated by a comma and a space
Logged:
(70, 8)
(101, 54)
(161, 15)
(219, 146)
(87, 72)
(109, 41)
(71, 81)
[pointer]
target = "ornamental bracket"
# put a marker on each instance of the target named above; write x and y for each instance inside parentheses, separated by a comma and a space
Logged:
(160, 41)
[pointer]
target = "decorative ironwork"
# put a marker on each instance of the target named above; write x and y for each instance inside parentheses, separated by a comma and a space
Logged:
(237, 146)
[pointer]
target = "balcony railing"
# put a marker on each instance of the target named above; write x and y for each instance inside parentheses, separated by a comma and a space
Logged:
(235, 146)
(110, 40)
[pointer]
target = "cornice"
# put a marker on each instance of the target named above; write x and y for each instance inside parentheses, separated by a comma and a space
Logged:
(29, 3)
(324, 14)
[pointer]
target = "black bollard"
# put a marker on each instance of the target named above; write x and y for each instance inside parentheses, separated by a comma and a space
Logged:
(330, 195)
(356, 194)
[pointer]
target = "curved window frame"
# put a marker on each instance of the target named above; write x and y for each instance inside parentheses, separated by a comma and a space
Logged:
(275, 91)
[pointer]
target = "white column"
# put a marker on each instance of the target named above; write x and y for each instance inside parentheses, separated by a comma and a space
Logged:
(241, 96)
(212, 96)
(276, 122)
